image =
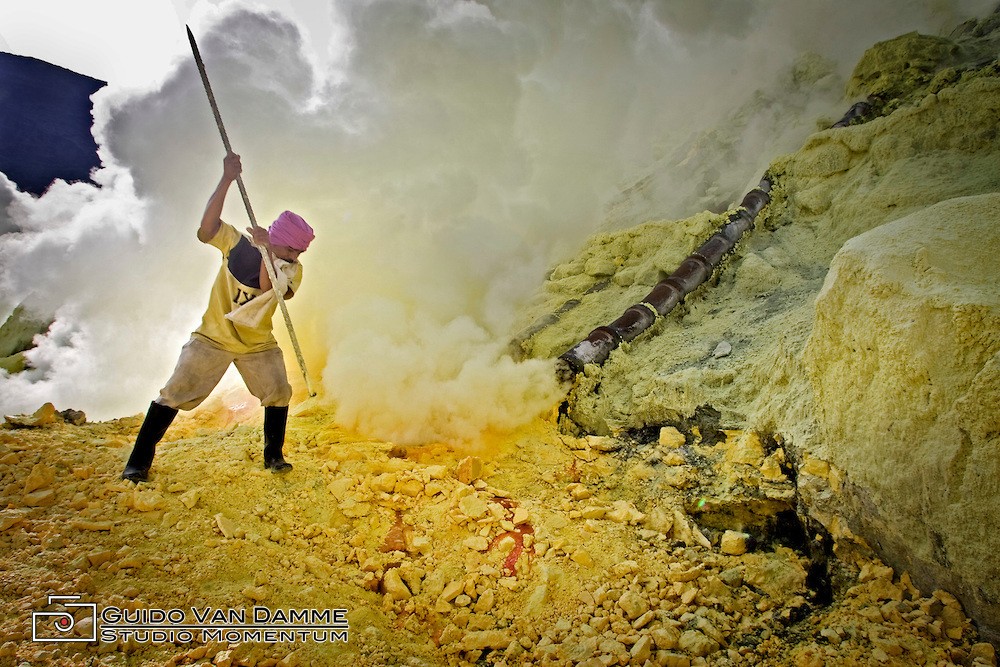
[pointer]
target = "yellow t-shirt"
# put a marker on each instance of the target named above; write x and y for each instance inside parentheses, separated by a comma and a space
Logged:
(237, 283)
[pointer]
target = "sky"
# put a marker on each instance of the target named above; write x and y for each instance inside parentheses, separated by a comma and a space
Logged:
(449, 153)
(125, 42)
(119, 41)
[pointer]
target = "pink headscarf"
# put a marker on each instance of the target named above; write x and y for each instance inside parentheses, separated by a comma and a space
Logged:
(290, 230)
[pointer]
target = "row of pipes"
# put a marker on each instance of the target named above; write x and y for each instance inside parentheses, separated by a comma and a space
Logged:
(666, 294)
(692, 272)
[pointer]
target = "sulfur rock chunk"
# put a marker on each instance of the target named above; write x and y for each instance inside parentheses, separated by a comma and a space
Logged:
(723, 349)
(484, 639)
(602, 443)
(687, 532)
(666, 637)
(775, 575)
(225, 525)
(43, 416)
(579, 651)
(451, 590)
(599, 267)
(10, 518)
(697, 644)
(633, 604)
(190, 498)
(409, 487)
(384, 483)
(394, 586)
(734, 543)
(748, 450)
(40, 477)
(40, 498)
(147, 501)
(485, 602)
(469, 469)
(477, 543)
(770, 469)
(671, 438)
(641, 650)
(625, 512)
(256, 593)
(473, 506)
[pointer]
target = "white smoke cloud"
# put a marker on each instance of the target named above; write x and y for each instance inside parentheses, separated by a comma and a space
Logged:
(86, 257)
(447, 153)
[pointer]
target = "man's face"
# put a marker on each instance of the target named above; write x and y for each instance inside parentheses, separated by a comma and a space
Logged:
(286, 253)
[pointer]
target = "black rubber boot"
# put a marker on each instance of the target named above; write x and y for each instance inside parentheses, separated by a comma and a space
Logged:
(158, 420)
(275, 419)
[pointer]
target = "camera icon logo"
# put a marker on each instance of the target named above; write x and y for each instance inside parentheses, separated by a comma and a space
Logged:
(58, 625)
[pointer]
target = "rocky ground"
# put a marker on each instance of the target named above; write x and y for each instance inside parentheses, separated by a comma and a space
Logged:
(659, 547)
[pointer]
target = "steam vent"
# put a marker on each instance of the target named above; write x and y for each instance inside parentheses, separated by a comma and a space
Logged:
(775, 441)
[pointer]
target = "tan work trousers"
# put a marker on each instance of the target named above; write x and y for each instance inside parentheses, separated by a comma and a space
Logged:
(201, 366)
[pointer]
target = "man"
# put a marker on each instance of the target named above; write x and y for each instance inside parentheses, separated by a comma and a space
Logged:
(236, 328)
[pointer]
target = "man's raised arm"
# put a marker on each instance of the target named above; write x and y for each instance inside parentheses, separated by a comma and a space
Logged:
(211, 219)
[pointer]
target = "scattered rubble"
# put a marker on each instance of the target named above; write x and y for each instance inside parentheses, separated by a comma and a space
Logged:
(553, 549)
(45, 416)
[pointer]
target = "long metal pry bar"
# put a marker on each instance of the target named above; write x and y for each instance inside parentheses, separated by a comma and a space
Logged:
(246, 202)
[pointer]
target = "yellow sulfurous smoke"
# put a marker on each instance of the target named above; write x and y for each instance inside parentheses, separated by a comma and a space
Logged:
(418, 381)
